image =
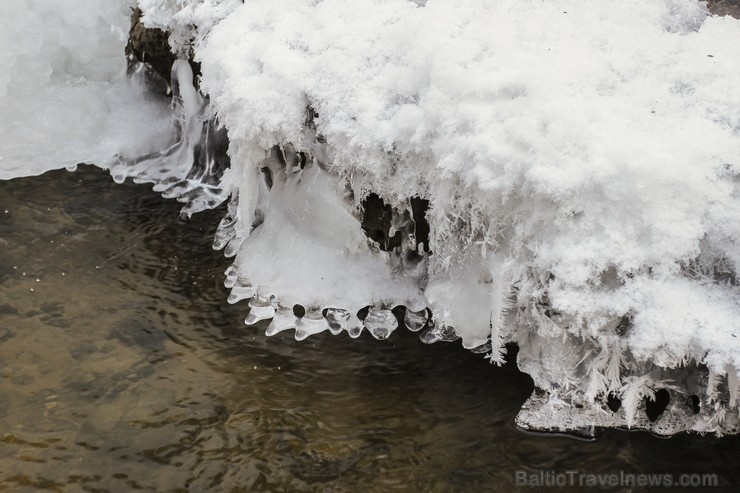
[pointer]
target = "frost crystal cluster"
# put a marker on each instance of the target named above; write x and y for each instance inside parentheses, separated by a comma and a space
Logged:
(561, 175)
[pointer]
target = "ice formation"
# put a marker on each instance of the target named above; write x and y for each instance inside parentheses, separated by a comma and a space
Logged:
(578, 168)
(64, 96)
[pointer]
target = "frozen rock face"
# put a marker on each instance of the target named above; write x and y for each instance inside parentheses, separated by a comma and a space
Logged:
(579, 167)
(725, 7)
(148, 50)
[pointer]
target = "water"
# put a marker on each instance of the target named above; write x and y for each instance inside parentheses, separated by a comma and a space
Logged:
(124, 368)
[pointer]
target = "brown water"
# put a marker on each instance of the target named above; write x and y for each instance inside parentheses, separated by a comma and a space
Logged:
(124, 369)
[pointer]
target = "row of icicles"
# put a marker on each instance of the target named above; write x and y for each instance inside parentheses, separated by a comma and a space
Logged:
(380, 321)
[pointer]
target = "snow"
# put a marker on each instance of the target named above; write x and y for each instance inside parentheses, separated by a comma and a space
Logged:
(64, 97)
(583, 138)
(186, 20)
(590, 148)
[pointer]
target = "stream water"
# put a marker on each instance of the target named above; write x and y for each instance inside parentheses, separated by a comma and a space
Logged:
(123, 368)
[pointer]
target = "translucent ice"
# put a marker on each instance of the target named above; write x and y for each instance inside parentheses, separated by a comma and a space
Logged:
(193, 168)
(380, 323)
(260, 308)
(415, 321)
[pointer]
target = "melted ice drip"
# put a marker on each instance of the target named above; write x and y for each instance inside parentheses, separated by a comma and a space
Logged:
(190, 170)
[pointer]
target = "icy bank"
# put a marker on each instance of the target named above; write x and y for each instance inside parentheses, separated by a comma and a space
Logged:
(580, 162)
(64, 97)
(560, 175)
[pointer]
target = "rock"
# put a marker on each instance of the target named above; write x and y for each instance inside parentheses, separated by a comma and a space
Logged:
(150, 48)
(725, 7)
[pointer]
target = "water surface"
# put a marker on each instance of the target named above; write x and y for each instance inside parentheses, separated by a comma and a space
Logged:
(124, 369)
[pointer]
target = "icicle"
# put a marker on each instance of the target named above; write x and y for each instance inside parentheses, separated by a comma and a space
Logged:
(260, 308)
(232, 248)
(499, 305)
(380, 323)
(615, 365)
(337, 319)
(439, 333)
(733, 385)
(193, 168)
(284, 319)
(226, 230)
(415, 321)
(354, 327)
(241, 290)
(313, 322)
(712, 384)
(232, 274)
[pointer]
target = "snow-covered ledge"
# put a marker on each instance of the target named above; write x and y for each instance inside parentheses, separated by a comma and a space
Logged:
(579, 165)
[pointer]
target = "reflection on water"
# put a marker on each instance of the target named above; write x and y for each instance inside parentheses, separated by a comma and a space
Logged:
(123, 368)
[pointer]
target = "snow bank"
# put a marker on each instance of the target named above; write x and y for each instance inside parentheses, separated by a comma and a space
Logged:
(581, 161)
(584, 139)
(64, 98)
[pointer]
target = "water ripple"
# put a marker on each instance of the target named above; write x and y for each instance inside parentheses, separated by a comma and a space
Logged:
(125, 369)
